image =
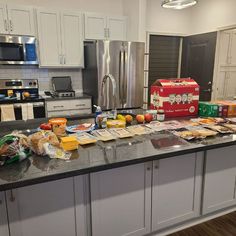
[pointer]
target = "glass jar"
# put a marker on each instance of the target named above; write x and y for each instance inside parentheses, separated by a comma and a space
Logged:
(160, 115)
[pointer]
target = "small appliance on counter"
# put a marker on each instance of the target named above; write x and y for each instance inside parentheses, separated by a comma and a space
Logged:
(62, 87)
(20, 92)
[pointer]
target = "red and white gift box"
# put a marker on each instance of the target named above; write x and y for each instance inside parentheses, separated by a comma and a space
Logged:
(177, 97)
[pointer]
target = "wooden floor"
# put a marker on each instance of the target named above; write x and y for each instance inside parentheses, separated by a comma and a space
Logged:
(222, 226)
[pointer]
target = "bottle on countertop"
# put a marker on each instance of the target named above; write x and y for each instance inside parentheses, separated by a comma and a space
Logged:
(97, 113)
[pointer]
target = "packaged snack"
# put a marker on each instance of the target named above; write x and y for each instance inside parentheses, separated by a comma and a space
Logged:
(85, 138)
(139, 129)
(58, 126)
(103, 135)
(13, 148)
(116, 124)
(121, 133)
(37, 140)
(55, 152)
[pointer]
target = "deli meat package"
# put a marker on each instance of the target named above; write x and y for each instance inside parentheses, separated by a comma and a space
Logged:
(177, 97)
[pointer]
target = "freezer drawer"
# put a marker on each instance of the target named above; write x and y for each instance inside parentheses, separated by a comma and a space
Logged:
(68, 113)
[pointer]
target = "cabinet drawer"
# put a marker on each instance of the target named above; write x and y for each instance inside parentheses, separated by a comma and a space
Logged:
(62, 105)
(68, 113)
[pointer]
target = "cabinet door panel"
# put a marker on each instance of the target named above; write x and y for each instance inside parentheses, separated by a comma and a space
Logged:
(3, 19)
(72, 39)
(230, 85)
(21, 20)
(121, 201)
(224, 48)
(219, 179)
(176, 190)
(49, 38)
(233, 49)
(117, 28)
(43, 209)
(3, 216)
(95, 25)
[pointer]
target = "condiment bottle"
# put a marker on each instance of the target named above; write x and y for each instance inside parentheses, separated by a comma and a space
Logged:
(97, 113)
(160, 115)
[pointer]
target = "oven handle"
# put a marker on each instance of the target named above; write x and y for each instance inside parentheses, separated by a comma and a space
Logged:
(35, 104)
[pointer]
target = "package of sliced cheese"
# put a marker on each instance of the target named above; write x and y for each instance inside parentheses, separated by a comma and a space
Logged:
(139, 129)
(85, 138)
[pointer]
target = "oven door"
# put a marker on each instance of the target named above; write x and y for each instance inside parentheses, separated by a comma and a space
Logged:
(38, 108)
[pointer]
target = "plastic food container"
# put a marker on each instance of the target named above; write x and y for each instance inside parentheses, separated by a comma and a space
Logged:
(58, 126)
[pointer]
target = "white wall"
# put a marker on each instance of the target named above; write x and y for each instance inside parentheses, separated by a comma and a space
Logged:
(106, 6)
(209, 15)
(167, 21)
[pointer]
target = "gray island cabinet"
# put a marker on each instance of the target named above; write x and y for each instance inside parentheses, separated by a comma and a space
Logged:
(52, 208)
(3, 216)
(153, 197)
(220, 179)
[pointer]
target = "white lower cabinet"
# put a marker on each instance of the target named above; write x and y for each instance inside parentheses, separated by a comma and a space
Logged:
(47, 209)
(4, 231)
(121, 201)
(176, 192)
(219, 179)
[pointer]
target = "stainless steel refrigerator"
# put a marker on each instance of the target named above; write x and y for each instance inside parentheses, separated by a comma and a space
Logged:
(114, 73)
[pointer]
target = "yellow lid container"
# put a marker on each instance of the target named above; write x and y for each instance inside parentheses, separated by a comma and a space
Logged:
(116, 124)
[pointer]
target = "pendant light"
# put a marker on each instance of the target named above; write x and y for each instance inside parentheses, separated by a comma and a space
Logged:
(178, 4)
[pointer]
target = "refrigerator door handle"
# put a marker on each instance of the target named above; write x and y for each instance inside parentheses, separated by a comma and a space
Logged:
(125, 59)
(121, 76)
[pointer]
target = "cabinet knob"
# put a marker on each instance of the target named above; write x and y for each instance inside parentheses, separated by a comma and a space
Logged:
(148, 168)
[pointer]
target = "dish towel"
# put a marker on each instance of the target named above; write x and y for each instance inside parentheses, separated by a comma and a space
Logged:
(7, 112)
(27, 111)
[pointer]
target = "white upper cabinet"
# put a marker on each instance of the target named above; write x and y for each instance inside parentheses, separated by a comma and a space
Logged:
(116, 28)
(21, 20)
(95, 26)
(3, 216)
(72, 35)
(60, 38)
(49, 37)
(16, 20)
(232, 56)
(3, 19)
(98, 26)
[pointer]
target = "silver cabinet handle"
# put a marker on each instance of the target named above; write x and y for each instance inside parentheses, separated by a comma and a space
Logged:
(6, 26)
(64, 57)
(11, 25)
(58, 106)
(108, 33)
(80, 105)
(105, 32)
(61, 59)
(12, 197)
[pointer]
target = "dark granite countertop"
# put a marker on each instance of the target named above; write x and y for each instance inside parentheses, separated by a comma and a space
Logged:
(102, 156)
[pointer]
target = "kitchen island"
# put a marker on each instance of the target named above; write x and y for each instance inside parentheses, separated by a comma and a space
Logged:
(154, 183)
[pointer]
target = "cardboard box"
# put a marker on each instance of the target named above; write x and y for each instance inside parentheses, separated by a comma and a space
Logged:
(177, 97)
(231, 105)
(208, 109)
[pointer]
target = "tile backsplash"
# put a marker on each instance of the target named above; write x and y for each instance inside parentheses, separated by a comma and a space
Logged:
(43, 75)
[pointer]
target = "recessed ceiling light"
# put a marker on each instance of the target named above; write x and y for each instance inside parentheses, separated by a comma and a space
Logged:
(178, 4)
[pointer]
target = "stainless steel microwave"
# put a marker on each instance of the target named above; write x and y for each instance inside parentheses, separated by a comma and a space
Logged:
(18, 50)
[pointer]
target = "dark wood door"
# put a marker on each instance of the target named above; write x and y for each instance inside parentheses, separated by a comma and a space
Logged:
(198, 58)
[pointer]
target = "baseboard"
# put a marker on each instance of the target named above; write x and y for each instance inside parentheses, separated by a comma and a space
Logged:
(194, 222)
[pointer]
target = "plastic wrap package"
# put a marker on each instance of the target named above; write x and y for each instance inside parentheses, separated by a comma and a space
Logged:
(46, 143)
(13, 148)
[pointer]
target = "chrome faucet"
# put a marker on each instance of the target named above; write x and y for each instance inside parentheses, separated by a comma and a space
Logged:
(113, 82)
